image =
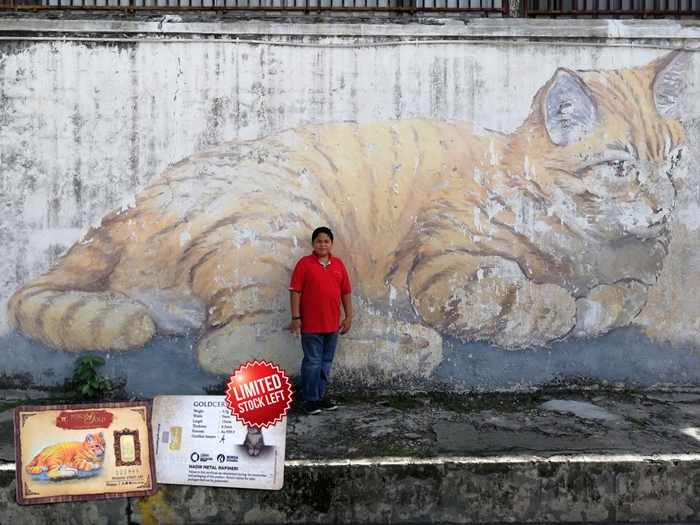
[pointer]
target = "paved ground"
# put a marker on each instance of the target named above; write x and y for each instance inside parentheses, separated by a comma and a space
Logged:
(501, 424)
(477, 425)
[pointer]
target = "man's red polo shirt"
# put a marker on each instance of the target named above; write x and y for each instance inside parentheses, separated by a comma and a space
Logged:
(320, 287)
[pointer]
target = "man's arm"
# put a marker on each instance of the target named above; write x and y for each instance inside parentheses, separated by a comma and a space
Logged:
(294, 302)
(345, 324)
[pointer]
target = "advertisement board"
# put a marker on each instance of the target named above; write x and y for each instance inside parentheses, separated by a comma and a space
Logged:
(199, 442)
(81, 452)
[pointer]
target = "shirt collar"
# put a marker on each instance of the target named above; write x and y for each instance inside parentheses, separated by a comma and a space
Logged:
(330, 258)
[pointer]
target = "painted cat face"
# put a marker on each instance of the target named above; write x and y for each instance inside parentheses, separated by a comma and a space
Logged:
(95, 445)
(620, 144)
(634, 194)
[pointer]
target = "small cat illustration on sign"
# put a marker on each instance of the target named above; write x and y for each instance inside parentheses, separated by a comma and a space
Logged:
(554, 231)
(254, 442)
(70, 459)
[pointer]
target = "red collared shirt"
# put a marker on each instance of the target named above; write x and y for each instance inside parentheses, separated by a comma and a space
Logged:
(321, 287)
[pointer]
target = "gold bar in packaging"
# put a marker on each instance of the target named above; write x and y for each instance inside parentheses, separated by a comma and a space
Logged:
(128, 448)
(175, 438)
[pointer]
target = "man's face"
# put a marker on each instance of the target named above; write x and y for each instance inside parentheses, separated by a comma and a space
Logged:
(322, 245)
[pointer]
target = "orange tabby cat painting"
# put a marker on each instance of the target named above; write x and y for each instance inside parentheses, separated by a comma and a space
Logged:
(70, 459)
(554, 231)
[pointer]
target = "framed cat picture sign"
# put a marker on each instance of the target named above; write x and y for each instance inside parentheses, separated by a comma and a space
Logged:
(82, 452)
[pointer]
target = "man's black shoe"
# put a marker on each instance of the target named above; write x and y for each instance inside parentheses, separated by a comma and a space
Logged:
(326, 404)
(311, 408)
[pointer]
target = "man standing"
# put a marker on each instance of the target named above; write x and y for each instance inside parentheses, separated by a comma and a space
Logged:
(319, 285)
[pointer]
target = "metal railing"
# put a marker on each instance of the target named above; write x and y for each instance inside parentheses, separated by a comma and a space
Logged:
(497, 8)
(613, 8)
(482, 7)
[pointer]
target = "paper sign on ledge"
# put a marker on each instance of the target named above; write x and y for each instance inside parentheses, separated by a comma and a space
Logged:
(199, 442)
(83, 452)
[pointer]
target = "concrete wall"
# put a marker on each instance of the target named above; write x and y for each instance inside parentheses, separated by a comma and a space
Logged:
(453, 492)
(564, 243)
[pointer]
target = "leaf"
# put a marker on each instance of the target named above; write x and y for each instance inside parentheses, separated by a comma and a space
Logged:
(86, 381)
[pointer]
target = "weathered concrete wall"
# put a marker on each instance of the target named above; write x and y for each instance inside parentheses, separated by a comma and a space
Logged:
(600, 282)
(412, 492)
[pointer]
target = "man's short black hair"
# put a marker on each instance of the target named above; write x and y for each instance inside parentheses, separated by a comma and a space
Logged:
(322, 229)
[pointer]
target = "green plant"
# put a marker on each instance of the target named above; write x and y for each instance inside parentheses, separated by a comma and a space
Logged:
(637, 423)
(9, 405)
(87, 383)
(404, 402)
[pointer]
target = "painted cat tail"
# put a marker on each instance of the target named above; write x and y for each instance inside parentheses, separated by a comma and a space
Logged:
(77, 321)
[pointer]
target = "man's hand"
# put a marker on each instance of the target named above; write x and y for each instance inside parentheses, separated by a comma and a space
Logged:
(295, 327)
(345, 325)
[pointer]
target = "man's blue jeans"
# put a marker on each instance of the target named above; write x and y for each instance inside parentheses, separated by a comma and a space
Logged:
(319, 351)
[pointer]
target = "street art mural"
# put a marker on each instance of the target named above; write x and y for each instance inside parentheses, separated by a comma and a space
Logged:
(554, 232)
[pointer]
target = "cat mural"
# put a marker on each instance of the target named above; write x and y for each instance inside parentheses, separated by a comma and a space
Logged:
(70, 459)
(556, 230)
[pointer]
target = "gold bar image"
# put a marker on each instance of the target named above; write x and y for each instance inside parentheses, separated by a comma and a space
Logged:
(175, 438)
(127, 448)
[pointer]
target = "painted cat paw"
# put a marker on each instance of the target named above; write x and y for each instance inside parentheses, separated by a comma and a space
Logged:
(539, 315)
(174, 312)
(62, 472)
(374, 341)
(489, 298)
(76, 321)
(222, 350)
(609, 306)
(393, 347)
(467, 297)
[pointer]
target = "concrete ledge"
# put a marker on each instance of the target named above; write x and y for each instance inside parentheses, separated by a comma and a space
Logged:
(104, 512)
(396, 490)
(448, 491)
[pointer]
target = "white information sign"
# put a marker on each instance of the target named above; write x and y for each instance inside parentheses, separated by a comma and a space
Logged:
(199, 442)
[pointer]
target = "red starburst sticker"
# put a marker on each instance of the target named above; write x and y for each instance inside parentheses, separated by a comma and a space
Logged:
(259, 394)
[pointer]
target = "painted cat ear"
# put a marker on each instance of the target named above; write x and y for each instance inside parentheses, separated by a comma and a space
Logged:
(89, 438)
(670, 71)
(569, 111)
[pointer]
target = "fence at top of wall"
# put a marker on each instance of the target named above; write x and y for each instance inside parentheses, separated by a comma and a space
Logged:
(485, 7)
(679, 9)
(624, 9)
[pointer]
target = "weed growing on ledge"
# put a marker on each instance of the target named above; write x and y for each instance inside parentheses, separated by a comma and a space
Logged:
(86, 382)
(9, 405)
